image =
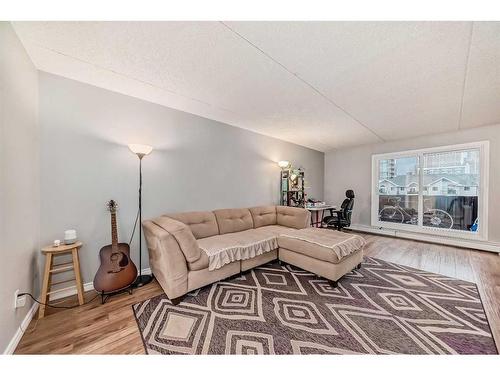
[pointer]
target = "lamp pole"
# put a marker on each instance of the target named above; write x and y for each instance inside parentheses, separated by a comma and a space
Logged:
(141, 279)
(140, 217)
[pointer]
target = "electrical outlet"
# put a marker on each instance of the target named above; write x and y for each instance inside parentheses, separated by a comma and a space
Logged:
(19, 301)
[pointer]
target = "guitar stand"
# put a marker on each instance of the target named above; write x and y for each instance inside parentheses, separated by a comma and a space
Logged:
(105, 296)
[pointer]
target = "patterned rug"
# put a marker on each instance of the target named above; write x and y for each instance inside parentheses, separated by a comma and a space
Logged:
(381, 308)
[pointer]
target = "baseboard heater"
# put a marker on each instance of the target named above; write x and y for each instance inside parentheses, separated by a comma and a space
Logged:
(458, 242)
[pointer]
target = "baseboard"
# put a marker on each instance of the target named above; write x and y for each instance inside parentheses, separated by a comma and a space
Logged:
(11, 347)
(477, 245)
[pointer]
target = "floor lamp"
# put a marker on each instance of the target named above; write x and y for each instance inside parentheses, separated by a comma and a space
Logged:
(141, 151)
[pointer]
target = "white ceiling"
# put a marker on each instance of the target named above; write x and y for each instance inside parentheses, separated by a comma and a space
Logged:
(323, 85)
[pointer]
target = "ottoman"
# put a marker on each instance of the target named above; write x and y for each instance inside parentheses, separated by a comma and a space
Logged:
(324, 252)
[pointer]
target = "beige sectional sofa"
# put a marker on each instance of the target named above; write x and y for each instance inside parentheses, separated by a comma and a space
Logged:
(192, 249)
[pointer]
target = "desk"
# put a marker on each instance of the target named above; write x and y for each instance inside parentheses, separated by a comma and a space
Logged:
(315, 214)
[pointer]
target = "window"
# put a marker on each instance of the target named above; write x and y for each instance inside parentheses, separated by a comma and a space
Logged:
(442, 190)
(398, 207)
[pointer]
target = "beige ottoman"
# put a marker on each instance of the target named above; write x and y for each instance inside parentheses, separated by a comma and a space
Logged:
(325, 252)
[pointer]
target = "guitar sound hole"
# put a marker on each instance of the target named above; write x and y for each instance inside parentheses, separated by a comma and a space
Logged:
(124, 260)
(119, 261)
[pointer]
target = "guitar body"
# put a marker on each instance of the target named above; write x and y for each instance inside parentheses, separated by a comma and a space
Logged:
(117, 271)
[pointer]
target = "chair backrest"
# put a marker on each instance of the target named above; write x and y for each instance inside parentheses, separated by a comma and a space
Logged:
(347, 206)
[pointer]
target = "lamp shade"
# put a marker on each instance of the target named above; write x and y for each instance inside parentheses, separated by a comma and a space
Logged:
(283, 163)
(140, 150)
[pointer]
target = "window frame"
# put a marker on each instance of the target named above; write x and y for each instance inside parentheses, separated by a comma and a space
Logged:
(484, 154)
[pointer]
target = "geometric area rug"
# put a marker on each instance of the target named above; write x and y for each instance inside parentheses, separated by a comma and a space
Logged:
(382, 308)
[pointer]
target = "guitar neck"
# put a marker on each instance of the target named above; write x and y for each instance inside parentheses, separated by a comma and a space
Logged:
(114, 231)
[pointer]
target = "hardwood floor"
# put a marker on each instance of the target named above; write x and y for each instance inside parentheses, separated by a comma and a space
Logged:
(111, 328)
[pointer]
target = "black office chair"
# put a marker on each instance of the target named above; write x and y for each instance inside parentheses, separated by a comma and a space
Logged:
(341, 218)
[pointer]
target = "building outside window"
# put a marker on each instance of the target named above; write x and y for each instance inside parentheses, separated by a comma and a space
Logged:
(453, 179)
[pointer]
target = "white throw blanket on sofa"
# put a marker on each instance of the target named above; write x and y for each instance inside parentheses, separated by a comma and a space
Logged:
(231, 247)
(343, 244)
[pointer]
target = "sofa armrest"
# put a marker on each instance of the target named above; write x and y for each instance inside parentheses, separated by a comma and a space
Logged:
(293, 217)
(166, 259)
(182, 233)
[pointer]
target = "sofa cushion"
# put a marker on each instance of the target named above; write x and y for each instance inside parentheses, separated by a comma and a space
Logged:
(201, 263)
(182, 235)
(324, 244)
(233, 220)
(293, 217)
(202, 223)
(231, 247)
(263, 215)
(309, 249)
(275, 230)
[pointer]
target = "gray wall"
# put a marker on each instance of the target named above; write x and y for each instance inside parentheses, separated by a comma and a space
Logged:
(197, 164)
(19, 180)
(351, 168)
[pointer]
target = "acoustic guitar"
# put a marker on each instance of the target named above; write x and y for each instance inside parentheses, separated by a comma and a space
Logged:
(117, 271)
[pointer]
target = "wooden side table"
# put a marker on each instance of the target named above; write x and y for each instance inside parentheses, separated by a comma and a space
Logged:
(51, 252)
